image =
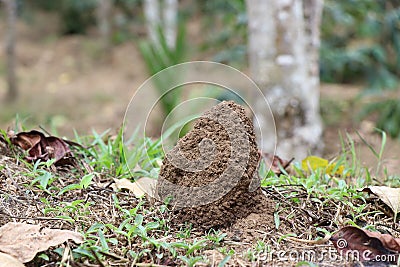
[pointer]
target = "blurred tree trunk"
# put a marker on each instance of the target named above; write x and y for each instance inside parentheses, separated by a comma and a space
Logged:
(153, 19)
(170, 16)
(161, 15)
(283, 54)
(11, 9)
(103, 21)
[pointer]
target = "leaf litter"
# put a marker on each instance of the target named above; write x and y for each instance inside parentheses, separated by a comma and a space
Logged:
(139, 188)
(276, 164)
(23, 241)
(7, 260)
(369, 246)
(38, 146)
(390, 196)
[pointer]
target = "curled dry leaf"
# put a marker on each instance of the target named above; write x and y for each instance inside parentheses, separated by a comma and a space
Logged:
(39, 146)
(390, 196)
(276, 163)
(8, 260)
(23, 241)
(366, 245)
(139, 188)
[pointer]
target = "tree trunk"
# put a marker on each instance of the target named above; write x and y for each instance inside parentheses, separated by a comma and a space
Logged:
(103, 21)
(153, 19)
(170, 17)
(11, 9)
(283, 55)
(162, 16)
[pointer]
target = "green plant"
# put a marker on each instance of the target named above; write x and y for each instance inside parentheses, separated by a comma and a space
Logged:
(191, 248)
(185, 232)
(388, 111)
(215, 236)
(377, 154)
(160, 56)
(77, 16)
(121, 157)
(261, 246)
(360, 40)
(84, 183)
(68, 211)
(43, 176)
(190, 261)
(106, 152)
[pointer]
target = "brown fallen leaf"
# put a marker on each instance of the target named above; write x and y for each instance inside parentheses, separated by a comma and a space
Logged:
(366, 245)
(23, 241)
(40, 146)
(56, 148)
(8, 260)
(27, 140)
(139, 188)
(276, 163)
(390, 196)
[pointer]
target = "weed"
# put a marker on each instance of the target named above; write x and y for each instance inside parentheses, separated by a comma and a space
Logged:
(190, 261)
(216, 237)
(159, 57)
(184, 232)
(84, 183)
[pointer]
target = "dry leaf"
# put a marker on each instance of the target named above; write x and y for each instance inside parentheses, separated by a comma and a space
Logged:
(139, 188)
(276, 163)
(313, 163)
(8, 260)
(24, 241)
(56, 148)
(390, 196)
(41, 147)
(367, 245)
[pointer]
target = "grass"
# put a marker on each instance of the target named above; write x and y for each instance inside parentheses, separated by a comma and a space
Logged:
(120, 229)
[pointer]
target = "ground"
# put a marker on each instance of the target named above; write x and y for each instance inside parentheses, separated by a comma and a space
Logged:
(66, 84)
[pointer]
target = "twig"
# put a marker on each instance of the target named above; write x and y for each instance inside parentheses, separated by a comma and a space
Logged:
(114, 256)
(96, 257)
(32, 218)
(311, 242)
(150, 265)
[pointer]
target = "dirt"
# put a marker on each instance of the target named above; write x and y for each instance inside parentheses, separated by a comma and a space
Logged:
(255, 226)
(235, 193)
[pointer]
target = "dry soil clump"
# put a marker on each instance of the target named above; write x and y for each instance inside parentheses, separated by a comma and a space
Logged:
(211, 173)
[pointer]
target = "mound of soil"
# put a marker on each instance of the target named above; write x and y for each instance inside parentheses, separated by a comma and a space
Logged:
(211, 174)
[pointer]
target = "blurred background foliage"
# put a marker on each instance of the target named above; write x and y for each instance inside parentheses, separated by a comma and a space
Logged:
(360, 41)
(161, 56)
(76, 16)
